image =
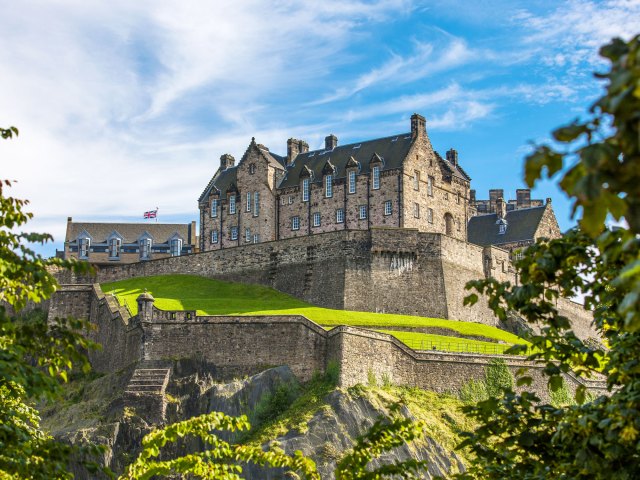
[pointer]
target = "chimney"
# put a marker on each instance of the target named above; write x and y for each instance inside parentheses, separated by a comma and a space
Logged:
(303, 147)
(548, 200)
(494, 194)
(452, 156)
(472, 197)
(330, 142)
(418, 125)
(523, 198)
(296, 147)
(226, 161)
(501, 208)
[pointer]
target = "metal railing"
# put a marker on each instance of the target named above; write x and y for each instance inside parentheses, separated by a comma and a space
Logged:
(460, 347)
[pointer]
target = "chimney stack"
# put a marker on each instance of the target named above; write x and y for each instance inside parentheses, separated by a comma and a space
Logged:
(296, 147)
(418, 125)
(226, 161)
(494, 194)
(330, 142)
(501, 208)
(523, 198)
(452, 157)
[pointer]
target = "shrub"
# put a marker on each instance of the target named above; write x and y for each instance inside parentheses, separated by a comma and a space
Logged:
(473, 392)
(498, 377)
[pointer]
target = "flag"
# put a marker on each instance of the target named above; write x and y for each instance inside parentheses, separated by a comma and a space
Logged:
(151, 213)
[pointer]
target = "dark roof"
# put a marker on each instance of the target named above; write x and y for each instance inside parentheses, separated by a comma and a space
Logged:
(452, 169)
(393, 151)
(131, 232)
(521, 226)
(221, 182)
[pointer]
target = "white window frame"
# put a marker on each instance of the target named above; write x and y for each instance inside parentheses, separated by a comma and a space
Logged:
(290, 199)
(376, 177)
(328, 186)
(256, 204)
(115, 246)
(316, 219)
(352, 181)
(232, 204)
(256, 238)
(234, 233)
(247, 235)
(175, 247)
(305, 189)
(388, 207)
(214, 236)
(84, 245)
(340, 215)
(430, 215)
(214, 208)
(416, 210)
(362, 212)
(295, 223)
(248, 201)
(145, 248)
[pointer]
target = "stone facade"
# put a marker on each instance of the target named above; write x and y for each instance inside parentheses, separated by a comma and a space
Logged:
(398, 181)
(235, 346)
(523, 200)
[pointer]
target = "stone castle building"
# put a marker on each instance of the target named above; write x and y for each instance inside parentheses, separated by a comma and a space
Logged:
(398, 181)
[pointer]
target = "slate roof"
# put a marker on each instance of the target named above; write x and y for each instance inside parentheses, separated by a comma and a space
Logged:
(99, 232)
(521, 225)
(451, 169)
(393, 151)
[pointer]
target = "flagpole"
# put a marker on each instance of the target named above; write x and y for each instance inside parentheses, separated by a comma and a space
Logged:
(156, 214)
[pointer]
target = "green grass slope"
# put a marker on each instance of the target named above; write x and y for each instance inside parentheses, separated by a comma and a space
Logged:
(214, 297)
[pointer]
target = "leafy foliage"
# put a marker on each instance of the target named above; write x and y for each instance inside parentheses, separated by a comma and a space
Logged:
(521, 437)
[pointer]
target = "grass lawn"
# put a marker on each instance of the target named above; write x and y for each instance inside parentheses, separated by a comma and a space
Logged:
(214, 297)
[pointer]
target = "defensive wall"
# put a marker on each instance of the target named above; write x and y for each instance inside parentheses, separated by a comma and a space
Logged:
(233, 346)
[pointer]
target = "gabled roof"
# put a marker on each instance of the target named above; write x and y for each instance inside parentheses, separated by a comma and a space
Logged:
(130, 232)
(451, 169)
(221, 182)
(393, 150)
(521, 226)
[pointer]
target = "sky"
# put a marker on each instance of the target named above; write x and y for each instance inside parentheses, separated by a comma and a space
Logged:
(124, 106)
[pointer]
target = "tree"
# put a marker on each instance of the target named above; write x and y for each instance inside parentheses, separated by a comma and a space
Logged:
(598, 163)
(36, 354)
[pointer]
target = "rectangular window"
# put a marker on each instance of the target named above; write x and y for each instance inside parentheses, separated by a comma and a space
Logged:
(388, 207)
(234, 233)
(290, 199)
(256, 238)
(416, 180)
(430, 215)
(283, 201)
(232, 204)
(376, 178)
(214, 236)
(214, 208)
(316, 219)
(176, 247)
(305, 190)
(114, 248)
(416, 210)
(430, 186)
(328, 186)
(84, 247)
(295, 223)
(458, 198)
(247, 235)
(145, 248)
(248, 201)
(362, 210)
(340, 215)
(352, 181)
(256, 204)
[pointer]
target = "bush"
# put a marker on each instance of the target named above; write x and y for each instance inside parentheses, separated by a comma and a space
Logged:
(498, 377)
(562, 397)
(473, 392)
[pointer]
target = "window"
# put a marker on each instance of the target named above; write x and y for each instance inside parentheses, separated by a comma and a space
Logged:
(252, 168)
(214, 236)
(328, 186)
(83, 247)
(234, 233)
(256, 204)
(290, 199)
(247, 234)
(458, 198)
(316, 219)
(145, 248)
(214, 208)
(430, 215)
(352, 181)
(340, 215)
(248, 201)
(295, 223)
(114, 248)
(376, 178)
(430, 186)
(256, 238)
(362, 210)
(232, 204)
(502, 228)
(416, 180)
(518, 255)
(416, 210)
(305, 190)
(388, 207)
(176, 247)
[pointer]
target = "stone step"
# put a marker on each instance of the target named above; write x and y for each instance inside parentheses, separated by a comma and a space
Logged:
(148, 380)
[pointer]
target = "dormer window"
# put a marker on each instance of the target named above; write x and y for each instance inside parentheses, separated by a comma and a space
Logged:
(352, 181)
(145, 249)
(502, 226)
(305, 190)
(376, 177)
(114, 248)
(83, 247)
(176, 247)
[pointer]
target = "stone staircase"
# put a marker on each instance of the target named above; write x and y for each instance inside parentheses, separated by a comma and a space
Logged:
(145, 393)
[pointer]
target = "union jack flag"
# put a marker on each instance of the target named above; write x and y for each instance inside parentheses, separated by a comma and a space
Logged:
(151, 213)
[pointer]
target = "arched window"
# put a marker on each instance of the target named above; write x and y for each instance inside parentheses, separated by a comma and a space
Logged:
(448, 222)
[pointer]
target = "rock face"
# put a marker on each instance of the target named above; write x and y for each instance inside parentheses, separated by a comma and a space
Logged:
(340, 418)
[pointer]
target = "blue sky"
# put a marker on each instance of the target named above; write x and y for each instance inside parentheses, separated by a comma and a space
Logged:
(124, 106)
